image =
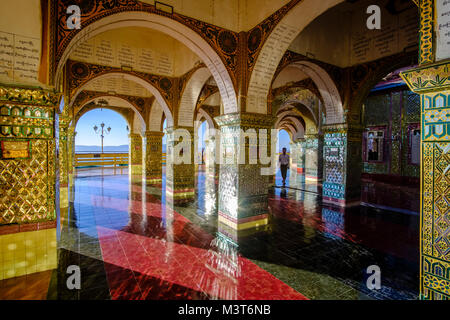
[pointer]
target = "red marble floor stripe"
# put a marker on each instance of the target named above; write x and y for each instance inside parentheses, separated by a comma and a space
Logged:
(182, 229)
(132, 285)
(192, 268)
(182, 264)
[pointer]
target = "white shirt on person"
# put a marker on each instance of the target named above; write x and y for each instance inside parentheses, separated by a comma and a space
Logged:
(284, 159)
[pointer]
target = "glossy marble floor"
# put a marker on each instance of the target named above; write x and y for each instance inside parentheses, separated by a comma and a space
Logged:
(30, 287)
(131, 243)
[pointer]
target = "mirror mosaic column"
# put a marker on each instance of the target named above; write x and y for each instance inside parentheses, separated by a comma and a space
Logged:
(180, 174)
(431, 80)
(153, 157)
(243, 190)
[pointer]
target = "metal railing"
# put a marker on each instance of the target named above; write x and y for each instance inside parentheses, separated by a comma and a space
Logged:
(101, 159)
(104, 159)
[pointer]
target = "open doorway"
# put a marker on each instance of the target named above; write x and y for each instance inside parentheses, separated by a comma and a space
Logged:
(101, 143)
(283, 141)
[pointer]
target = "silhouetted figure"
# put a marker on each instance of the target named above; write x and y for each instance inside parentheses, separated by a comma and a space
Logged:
(284, 165)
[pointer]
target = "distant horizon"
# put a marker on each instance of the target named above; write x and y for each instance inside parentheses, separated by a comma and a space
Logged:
(95, 145)
(122, 148)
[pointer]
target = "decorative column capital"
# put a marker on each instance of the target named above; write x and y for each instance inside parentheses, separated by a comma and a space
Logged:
(429, 78)
(134, 135)
(334, 128)
(30, 96)
(253, 120)
(154, 134)
(170, 130)
(300, 140)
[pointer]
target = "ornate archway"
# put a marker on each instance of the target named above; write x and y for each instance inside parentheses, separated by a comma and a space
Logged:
(274, 47)
(168, 26)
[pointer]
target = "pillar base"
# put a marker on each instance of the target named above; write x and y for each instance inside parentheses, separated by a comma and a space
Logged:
(157, 181)
(312, 179)
(244, 223)
(180, 196)
(236, 235)
(341, 202)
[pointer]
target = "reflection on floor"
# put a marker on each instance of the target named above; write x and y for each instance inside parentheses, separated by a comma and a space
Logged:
(130, 243)
(401, 194)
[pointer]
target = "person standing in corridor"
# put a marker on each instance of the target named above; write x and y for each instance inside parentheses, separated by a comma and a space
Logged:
(284, 165)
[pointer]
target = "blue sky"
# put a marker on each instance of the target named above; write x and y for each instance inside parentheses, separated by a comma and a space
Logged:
(283, 140)
(119, 135)
(86, 135)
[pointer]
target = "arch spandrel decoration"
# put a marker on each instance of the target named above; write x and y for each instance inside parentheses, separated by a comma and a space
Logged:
(257, 36)
(217, 47)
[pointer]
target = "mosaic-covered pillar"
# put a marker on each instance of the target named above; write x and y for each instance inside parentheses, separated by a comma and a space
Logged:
(28, 176)
(153, 157)
(243, 185)
(313, 158)
(71, 154)
(431, 80)
(136, 156)
(296, 178)
(293, 156)
(342, 165)
(180, 165)
(300, 155)
(212, 167)
(64, 162)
